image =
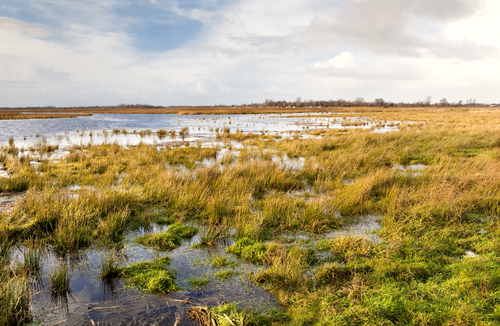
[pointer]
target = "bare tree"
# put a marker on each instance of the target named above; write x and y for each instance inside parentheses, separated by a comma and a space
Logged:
(444, 102)
(428, 100)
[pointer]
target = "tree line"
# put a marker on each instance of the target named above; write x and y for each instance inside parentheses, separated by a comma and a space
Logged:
(357, 102)
(360, 102)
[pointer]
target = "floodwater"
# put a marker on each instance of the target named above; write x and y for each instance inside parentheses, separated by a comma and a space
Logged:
(98, 128)
(91, 299)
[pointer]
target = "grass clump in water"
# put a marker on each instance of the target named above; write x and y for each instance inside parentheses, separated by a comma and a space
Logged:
(110, 269)
(222, 261)
(224, 275)
(169, 239)
(60, 279)
(198, 282)
(152, 276)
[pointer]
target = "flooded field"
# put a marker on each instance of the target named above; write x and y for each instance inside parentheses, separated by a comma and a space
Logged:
(131, 129)
(240, 220)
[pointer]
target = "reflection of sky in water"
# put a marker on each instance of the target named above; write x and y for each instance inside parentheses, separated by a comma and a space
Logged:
(87, 290)
(62, 132)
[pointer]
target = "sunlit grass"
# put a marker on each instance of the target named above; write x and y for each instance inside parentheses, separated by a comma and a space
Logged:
(436, 260)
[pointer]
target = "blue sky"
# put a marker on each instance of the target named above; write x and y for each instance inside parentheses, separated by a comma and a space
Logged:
(89, 52)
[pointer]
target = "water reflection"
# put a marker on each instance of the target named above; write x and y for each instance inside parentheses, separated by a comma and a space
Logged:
(132, 129)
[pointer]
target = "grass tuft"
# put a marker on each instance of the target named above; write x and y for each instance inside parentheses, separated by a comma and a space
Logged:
(151, 276)
(60, 279)
(170, 239)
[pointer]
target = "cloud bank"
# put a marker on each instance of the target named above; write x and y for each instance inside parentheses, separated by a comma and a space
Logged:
(163, 52)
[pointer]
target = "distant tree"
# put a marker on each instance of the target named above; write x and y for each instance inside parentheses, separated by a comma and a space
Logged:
(379, 102)
(359, 101)
(428, 100)
(444, 102)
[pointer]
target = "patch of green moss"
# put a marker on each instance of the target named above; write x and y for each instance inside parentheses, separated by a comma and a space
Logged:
(152, 276)
(169, 239)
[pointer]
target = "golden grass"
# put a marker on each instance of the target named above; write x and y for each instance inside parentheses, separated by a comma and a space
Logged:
(17, 115)
(419, 272)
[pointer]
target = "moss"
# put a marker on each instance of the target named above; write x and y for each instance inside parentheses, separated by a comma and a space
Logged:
(249, 250)
(152, 276)
(168, 240)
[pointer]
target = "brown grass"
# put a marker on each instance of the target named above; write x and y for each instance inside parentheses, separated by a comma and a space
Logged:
(17, 115)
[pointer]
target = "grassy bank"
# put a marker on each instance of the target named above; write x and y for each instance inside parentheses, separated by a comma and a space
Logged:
(19, 115)
(437, 261)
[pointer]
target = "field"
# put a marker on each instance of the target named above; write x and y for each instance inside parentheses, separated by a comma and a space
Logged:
(433, 186)
(53, 113)
(18, 115)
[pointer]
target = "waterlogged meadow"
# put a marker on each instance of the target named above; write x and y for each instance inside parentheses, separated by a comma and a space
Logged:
(310, 226)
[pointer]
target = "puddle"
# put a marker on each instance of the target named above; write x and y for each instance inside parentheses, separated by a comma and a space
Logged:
(412, 169)
(101, 302)
(348, 182)
(290, 164)
(366, 226)
(4, 174)
(8, 200)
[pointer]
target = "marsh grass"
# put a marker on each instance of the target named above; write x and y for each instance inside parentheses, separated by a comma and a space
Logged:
(152, 276)
(211, 234)
(32, 259)
(230, 314)
(14, 301)
(110, 269)
(60, 279)
(162, 133)
(222, 261)
(198, 282)
(432, 218)
(169, 239)
(226, 274)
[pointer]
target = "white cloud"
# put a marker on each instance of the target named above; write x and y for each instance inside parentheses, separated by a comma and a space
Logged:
(343, 60)
(251, 50)
(9, 24)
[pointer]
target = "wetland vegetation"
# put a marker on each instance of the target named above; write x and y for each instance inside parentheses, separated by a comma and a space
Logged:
(434, 261)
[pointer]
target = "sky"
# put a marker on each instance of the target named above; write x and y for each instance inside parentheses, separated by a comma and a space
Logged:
(166, 52)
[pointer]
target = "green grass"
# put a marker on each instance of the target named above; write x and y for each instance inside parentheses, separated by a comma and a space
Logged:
(230, 314)
(224, 275)
(169, 239)
(32, 259)
(14, 301)
(198, 282)
(110, 269)
(418, 273)
(222, 261)
(152, 276)
(60, 279)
